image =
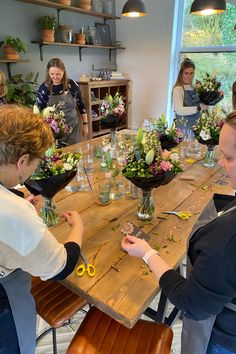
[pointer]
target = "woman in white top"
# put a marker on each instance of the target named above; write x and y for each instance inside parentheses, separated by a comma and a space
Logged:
(27, 247)
(186, 102)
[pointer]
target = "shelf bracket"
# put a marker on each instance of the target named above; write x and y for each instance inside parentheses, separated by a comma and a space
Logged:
(110, 54)
(9, 70)
(41, 51)
(80, 53)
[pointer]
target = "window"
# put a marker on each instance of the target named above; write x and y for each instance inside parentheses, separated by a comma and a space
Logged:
(210, 41)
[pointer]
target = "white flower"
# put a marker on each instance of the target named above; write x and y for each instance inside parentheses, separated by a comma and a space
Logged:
(174, 157)
(48, 110)
(205, 134)
(67, 166)
(36, 109)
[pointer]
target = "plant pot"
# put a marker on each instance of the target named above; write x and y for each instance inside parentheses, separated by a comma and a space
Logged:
(64, 2)
(65, 33)
(80, 38)
(85, 4)
(48, 35)
(11, 53)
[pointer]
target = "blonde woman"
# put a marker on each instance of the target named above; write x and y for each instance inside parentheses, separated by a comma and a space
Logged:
(186, 102)
(3, 88)
(27, 247)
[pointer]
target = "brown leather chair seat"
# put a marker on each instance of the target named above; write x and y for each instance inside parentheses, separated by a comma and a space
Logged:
(55, 304)
(99, 333)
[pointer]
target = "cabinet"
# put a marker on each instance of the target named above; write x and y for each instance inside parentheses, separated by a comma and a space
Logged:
(60, 8)
(93, 93)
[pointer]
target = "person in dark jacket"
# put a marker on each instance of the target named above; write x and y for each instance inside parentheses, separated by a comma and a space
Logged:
(65, 94)
(208, 296)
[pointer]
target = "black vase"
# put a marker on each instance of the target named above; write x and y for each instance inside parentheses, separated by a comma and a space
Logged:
(152, 182)
(110, 122)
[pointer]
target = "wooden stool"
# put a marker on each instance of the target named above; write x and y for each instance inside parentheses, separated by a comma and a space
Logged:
(55, 304)
(99, 333)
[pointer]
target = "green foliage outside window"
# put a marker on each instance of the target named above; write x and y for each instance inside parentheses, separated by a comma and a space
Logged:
(215, 30)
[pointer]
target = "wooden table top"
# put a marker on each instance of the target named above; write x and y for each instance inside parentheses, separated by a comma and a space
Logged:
(125, 294)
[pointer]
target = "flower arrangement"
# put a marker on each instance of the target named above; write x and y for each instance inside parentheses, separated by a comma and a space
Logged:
(56, 162)
(145, 159)
(168, 136)
(209, 90)
(55, 119)
(147, 166)
(208, 127)
(112, 110)
(54, 172)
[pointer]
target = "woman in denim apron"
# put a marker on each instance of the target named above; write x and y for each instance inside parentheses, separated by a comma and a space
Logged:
(65, 94)
(186, 102)
(208, 296)
(27, 247)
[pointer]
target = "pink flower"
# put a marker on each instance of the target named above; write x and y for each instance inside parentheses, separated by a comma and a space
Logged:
(166, 165)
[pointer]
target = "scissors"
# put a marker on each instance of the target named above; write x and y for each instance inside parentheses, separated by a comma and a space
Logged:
(184, 215)
(86, 267)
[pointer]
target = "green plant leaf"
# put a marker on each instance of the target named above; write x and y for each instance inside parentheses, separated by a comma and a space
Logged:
(139, 136)
(149, 157)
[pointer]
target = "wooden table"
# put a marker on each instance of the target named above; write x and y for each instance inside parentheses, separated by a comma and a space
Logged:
(123, 287)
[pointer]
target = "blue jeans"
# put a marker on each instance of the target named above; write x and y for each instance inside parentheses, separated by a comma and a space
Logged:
(214, 348)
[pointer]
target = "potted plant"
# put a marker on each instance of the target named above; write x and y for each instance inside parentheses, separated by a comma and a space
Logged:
(13, 46)
(80, 37)
(22, 90)
(48, 25)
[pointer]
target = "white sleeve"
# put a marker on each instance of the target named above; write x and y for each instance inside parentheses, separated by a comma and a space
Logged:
(178, 101)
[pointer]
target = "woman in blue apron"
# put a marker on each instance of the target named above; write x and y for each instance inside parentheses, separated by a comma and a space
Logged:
(208, 296)
(65, 94)
(186, 102)
(27, 247)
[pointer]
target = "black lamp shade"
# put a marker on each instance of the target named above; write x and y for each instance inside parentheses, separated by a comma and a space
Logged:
(134, 8)
(207, 7)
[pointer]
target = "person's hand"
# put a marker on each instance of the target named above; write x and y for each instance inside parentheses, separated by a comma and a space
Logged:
(73, 218)
(85, 130)
(203, 106)
(135, 246)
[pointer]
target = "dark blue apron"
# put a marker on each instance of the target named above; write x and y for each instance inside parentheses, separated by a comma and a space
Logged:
(18, 289)
(190, 99)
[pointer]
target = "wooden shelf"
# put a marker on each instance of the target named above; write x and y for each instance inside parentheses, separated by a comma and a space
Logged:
(60, 7)
(11, 61)
(80, 46)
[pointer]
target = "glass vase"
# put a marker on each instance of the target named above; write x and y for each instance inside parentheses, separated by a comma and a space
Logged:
(209, 159)
(47, 212)
(145, 207)
(113, 138)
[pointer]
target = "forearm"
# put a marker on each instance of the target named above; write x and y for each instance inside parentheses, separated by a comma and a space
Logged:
(178, 102)
(84, 118)
(76, 235)
(157, 265)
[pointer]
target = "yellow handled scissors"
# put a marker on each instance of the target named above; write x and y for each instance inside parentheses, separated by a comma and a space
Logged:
(87, 267)
(184, 215)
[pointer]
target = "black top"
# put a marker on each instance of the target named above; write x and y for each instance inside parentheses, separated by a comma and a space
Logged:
(212, 282)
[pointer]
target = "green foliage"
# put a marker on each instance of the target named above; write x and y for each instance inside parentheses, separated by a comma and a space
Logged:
(227, 28)
(15, 43)
(47, 21)
(22, 91)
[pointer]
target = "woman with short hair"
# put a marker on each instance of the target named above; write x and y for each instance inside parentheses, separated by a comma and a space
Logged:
(27, 247)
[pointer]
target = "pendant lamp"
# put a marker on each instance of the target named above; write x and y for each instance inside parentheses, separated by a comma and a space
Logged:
(208, 7)
(134, 8)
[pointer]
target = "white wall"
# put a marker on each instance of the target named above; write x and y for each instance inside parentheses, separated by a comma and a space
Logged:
(147, 57)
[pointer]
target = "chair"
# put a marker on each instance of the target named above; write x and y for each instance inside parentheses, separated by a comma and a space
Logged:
(55, 304)
(99, 333)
